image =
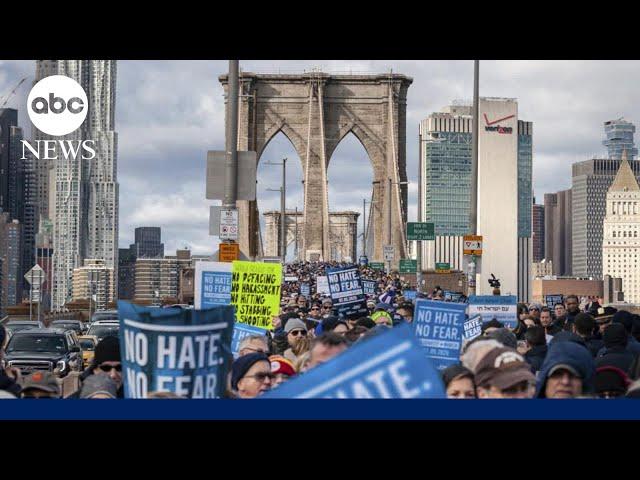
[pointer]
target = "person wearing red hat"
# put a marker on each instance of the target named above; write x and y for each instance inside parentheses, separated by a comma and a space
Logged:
(282, 368)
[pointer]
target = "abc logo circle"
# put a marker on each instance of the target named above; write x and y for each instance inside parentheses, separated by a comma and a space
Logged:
(57, 105)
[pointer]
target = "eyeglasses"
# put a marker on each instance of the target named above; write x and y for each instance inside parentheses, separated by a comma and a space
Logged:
(108, 368)
(257, 350)
(315, 308)
(262, 376)
(295, 333)
(326, 306)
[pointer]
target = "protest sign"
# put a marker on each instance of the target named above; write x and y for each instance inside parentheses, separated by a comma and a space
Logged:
(346, 290)
(551, 300)
(388, 365)
(241, 330)
(290, 278)
(369, 287)
(503, 308)
(183, 351)
(410, 294)
(439, 327)
(212, 284)
(322, 285)
(452, 296)
(255, 292)
(305, 289)
(472, 327)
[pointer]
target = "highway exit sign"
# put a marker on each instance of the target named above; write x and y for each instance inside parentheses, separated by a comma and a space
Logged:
(420, 231)
(408, 266)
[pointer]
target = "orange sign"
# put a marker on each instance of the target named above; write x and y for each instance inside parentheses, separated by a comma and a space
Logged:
(472, 245)
(228, 252)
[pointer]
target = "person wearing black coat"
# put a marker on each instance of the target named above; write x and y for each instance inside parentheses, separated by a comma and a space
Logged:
(536, 342)
(583, 326)
(615, 349)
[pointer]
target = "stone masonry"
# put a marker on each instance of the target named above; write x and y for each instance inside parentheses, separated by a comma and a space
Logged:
(315, 111)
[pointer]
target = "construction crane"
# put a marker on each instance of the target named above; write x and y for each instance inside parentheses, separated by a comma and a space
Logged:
(8, 97)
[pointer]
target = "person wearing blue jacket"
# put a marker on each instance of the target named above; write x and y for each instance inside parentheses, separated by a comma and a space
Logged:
(567, 371)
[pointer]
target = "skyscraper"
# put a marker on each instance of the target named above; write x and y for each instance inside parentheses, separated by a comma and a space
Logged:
(9, 170)
(148, 243)
(619, 137)
(591, 181)
(10, 251)
(505, 171)
(537, 216)
(85, 211)
(621, 240)
(557, 231)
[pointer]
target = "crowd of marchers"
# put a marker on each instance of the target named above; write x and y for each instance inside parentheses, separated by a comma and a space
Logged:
(577, 349)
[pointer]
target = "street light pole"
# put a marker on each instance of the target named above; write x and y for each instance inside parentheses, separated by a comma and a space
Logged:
(231, 166)
(473, 204)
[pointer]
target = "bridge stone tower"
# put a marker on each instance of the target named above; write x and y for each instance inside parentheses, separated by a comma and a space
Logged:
(315, 111)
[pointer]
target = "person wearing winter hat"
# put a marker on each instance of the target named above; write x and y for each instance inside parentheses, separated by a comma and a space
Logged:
(251, 375)
(282, 368)
(626, 319)
(567, 371)
(458, 382)
(106, 360)
(615, 351)
(296, 331)
(610, 382)
(504, 336)
(99, 387)
(490, 326)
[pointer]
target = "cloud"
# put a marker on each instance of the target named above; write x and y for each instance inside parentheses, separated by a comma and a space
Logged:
(170, 113)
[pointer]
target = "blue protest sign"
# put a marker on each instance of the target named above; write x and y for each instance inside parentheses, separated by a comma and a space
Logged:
(472, 327)
(452, 296)
(503, 308)
(212, 284)
(241, 330)
(551, 300)
(439, 327)
(369, 287)
(305, 289)
(388, 365)
(410, 294)
(346, 290)
(363, 260)
(183, 351)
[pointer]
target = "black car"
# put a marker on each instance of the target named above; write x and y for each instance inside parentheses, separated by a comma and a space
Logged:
(102, 329)
(14, 326)
(105, 315)
(44, 349)
(75, 325)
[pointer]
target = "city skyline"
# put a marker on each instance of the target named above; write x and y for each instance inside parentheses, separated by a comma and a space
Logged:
(155, 129)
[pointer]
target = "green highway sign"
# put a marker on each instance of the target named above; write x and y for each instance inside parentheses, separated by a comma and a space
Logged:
(408, 266)
(443, 267)
(376, 265)
(420, 231)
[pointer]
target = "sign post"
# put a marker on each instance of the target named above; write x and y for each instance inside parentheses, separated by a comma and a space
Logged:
(420, 231)
(389, 255)
(472, 246)
(35, 277)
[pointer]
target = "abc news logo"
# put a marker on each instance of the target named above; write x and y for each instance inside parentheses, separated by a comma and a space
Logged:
(57, 106)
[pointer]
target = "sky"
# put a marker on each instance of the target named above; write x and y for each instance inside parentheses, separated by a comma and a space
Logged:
(170, 113)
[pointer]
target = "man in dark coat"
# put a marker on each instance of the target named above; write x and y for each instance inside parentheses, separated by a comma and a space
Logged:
(626, 319)
(583, 325)
(615, 349)
(537, 344)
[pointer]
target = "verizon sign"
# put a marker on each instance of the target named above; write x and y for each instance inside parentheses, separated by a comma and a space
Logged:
(494, 125)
